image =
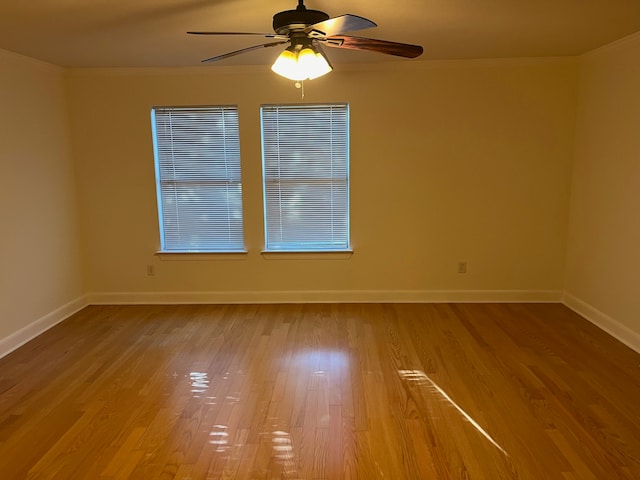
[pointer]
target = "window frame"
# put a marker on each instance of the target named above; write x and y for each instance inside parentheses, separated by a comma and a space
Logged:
(296, 247)
(231, 143)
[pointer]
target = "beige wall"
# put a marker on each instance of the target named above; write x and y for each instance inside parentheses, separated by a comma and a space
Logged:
(449, 160)
(603, 261)
(39, 259)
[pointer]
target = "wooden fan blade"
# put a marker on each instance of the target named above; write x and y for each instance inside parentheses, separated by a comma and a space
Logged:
(338, 25)
(267, 35)
(381, 46)
(243, 50)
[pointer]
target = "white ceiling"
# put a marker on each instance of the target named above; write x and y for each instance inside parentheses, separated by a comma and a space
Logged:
(125, 33)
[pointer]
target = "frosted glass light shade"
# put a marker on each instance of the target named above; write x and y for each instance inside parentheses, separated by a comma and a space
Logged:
(320, 66)
(303, 65)
(286, 65)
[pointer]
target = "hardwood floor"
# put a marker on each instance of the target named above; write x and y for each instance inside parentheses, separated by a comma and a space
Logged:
(403, 391)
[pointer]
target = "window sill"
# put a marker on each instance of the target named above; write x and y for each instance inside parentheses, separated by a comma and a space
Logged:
(189, 256)
(307, 255)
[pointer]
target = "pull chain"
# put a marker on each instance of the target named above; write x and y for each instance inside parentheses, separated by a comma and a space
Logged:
(300, 85)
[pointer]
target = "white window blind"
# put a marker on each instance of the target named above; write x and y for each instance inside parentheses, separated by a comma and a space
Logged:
(305, 160)
(197, 156)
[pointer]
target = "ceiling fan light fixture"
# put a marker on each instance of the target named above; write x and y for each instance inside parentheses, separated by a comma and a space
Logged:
(306, 64)
(307, 31)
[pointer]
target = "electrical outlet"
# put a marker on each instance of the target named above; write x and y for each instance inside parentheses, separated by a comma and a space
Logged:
(151, 270)
(462, 267)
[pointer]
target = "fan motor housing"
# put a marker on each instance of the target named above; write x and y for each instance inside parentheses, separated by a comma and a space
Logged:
(292, 20)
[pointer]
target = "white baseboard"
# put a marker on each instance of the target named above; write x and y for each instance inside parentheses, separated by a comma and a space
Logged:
(603, 321)
(598, 318)
(44, 323)
(328, 296)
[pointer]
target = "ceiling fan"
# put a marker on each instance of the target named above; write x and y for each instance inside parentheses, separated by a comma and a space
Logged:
(306, 32)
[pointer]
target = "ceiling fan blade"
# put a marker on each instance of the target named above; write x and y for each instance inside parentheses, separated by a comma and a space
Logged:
(371, 44)
(319, 48)
(338, 25)
(267, 35)
(243, 50)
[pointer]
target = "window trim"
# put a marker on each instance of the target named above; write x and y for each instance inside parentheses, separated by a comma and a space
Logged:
(307, 255)
(171, 255)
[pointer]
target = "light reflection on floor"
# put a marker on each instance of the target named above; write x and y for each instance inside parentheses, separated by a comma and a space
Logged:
(283, 452)
(317, 364)
(281, 444)
(421, 378)
(199, 383)
(220, 438)
(312, 358)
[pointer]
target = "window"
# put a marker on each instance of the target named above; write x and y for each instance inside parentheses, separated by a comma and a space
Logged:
(305, 161)
(198, 182)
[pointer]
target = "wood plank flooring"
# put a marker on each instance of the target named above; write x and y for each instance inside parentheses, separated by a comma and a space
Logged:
(336, 391)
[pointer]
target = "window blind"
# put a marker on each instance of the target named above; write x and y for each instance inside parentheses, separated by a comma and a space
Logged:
(305, 151)
(197, 156)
